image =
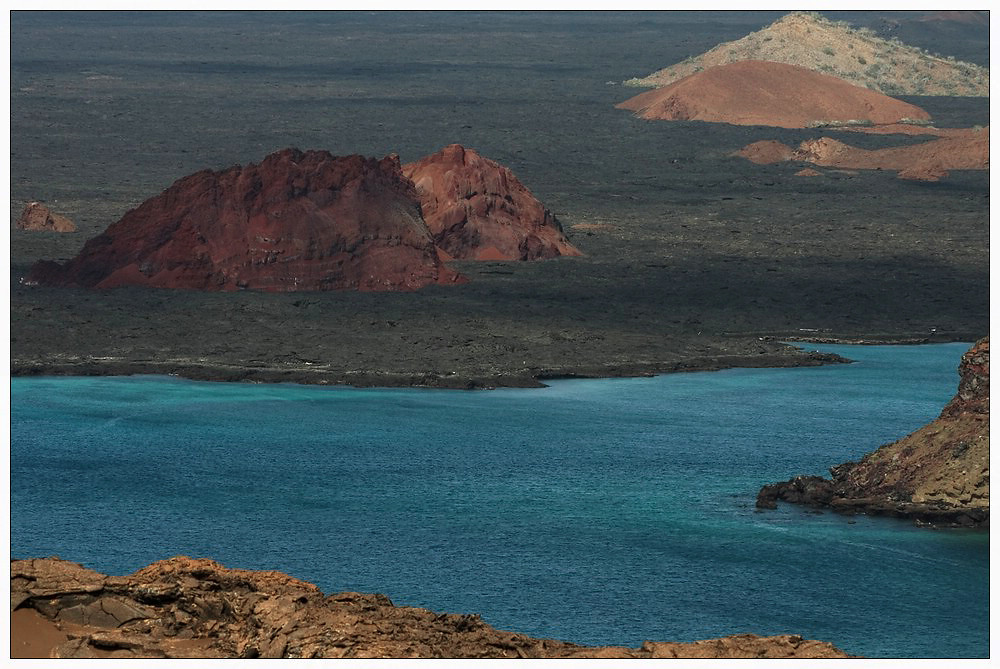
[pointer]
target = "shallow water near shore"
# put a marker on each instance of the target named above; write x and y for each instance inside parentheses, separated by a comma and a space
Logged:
(595, 511)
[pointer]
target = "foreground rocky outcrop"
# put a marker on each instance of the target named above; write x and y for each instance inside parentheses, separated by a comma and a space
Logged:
(754, 92)
(295, 221)
(924, 161)
(477, 209)
(36, 216)
(856, 55)
(939, 475)
(196, 608)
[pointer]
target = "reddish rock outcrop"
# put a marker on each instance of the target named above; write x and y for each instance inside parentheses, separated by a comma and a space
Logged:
(477, 209)
(296, 221)
(807, 172)
(938, 475)
(187, 608)
(36, 216)
(773, 94)
(927, 161)
(766, 152)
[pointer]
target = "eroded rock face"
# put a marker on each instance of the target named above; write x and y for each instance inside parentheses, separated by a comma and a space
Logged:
(296, 221)
(477, 209)
(196, 608)
(772, 94)
(939, 475)
(36, 216)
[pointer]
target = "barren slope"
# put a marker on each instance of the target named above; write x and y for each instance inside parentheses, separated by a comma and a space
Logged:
(775, 94)
(807, 39)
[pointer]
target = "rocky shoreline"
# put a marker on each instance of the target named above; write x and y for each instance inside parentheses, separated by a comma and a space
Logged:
(196, 608)
(533, 377)
(937, 476)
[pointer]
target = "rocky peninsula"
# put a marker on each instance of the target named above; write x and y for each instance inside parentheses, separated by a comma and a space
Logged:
(196, 608)
(939, 475)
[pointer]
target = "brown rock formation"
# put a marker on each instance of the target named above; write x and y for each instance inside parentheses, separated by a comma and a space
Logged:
(807, 172)
(296, 221)
(185, 608)
(929, 160)
(36, 216)
(477, 209)
(856, 55)
(766, 152)
(776, 94)
(938, 475)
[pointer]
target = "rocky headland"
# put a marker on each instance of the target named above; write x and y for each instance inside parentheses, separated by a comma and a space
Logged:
(756, 92)
(36, 216)
(856, 55)
(196, 608)
(939, 475)
(476, 209)
(931, 160)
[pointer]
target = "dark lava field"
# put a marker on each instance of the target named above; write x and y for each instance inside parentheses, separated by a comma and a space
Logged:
(694, 259)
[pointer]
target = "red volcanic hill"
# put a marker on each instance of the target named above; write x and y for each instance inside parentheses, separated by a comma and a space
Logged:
(296, 221)
(477, 209)
(773, 94)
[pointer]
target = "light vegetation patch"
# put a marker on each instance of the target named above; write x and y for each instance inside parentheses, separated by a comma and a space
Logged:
(857, 55)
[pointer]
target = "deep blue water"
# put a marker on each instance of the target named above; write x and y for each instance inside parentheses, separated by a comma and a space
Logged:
(596, 511)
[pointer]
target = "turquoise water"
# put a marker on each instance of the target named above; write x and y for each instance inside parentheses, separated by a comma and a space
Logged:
(596, 511)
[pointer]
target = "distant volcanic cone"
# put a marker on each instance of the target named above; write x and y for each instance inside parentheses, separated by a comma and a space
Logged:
(477, 209)
(773, 94)
(296, 221)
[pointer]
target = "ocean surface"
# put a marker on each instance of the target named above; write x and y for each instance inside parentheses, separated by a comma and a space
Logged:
(594, 511)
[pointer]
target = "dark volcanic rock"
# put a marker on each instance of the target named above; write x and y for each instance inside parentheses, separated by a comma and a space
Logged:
(296, 221)
(938, 475)
(478, 210)
(36, 216)
(185, 608)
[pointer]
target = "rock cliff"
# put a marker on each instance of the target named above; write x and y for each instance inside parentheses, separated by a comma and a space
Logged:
(196, 608)
(295, 221)
(36, 216)
(938, 475)
(756, 92)
(857, 55)
(477, 209)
